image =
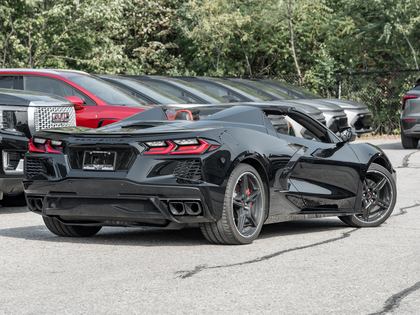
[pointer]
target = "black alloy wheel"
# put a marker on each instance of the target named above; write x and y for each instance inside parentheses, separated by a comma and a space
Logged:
(61, 229)
(378, 198)
(244, 209)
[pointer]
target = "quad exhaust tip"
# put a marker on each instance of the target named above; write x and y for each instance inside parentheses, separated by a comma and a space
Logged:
(35, 204)
(187, 207)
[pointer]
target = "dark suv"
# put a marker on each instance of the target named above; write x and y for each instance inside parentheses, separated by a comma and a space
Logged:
(410, 117)
(21, 115)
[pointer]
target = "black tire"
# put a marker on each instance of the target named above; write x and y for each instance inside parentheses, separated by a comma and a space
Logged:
(13, 201)
(244, 209)
(61, 229)
(378, 198)
(409, 142)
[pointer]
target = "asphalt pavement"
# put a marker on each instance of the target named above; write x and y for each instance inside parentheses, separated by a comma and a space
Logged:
(318, 266)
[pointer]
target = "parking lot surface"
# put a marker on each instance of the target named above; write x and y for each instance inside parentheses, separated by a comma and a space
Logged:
(318, 266)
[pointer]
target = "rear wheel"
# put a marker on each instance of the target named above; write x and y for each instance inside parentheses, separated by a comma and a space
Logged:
(244, 209)
(378, 198)
(408, 142)
(61, 229)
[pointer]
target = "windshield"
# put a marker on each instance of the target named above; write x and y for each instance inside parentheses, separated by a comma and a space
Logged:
(266, 88)
(159, 95)
(298, 89)
(243, 89)
(105, 91)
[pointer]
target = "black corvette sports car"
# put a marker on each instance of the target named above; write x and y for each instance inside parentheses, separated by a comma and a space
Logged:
(227, 168)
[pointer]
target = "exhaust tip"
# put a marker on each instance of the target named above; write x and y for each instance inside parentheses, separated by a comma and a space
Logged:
(193, 208)
(39, 204)
(177, 208)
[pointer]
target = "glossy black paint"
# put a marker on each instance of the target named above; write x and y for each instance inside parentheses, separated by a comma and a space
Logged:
(304, 177)
(11, 183)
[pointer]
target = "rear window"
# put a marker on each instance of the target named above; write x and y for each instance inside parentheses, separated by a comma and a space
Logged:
(6, 82)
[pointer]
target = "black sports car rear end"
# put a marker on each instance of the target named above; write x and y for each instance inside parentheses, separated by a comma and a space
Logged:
(225, 167)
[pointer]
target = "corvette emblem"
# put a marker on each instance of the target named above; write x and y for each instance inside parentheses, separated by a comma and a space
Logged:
(60, 117)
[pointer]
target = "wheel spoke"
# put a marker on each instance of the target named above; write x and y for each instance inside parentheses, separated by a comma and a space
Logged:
(244, 187)
(381, 203)
(366, 212)
(237, 200)
(253, 197)
(241, 220)
(380, 185)
(252, 218)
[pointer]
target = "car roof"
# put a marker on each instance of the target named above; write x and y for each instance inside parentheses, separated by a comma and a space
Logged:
(40, 71)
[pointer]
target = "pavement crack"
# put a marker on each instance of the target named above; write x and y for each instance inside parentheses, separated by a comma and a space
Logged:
(406, 158)
(403, 210)
(197, 269)
(394, 301)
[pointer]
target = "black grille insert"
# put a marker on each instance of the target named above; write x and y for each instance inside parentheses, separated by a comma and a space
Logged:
(188, 169)
(33, 167)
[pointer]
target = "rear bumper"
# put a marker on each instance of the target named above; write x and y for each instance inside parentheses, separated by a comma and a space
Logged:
(10, 187)
(411, 126)
(112, 202)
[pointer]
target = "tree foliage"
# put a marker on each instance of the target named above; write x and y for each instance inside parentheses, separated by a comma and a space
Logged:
(314, 38)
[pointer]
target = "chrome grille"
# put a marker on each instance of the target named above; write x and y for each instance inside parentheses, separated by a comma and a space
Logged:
(44, 117)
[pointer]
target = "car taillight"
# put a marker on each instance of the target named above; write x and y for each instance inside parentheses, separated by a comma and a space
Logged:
(408, 96)
(41, 145)
(181, 146)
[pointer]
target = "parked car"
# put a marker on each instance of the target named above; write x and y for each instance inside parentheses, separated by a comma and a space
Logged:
(225, 89)
(336, 118)
(188, 92)
(21, 115)
(228, 170)
(97, 103)
(410, 118)
(358, 114)
(146, 92)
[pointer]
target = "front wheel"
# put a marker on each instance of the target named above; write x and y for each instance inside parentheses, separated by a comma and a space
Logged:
(379, 195)
(244, 209)
(61, 229)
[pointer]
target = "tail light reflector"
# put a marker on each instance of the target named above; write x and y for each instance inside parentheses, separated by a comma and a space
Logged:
(181, 146)
(40, 145)
(408, 96)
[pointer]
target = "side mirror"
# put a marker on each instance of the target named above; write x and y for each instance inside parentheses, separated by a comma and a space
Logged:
(347, 134)
(77, 102)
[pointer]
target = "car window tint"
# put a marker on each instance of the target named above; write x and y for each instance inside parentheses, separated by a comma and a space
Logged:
(195, 89)
(243, 89)
(47, 85)
(215, 89)
(270, 89)
(86, 100)
(416, 87)
(301, 90)
(105, 91)
(286, 125)
(6, 82)
(180, 95)
(160, 95)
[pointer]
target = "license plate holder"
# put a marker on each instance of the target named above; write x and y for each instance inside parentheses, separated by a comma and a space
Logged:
(99, 160)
